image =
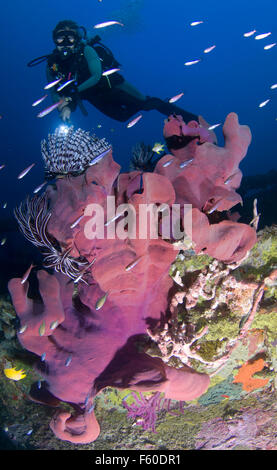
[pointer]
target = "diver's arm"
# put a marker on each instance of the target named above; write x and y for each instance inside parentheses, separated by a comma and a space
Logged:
(50, 78)
(95, 68)
(66, 106)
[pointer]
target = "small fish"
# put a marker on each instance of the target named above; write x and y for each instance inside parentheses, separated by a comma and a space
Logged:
(225, 396)
(39, 384)
(262, 36)
(168, 163)
(26, 275)
(209, 49)
(79, 278)
(269, 46)
(214, 207)
(99, 126)
(2, 166)
(273, 86)
(38, 188)
(25, 172)
(107, 23)
(91, 408)
(133, 264)
(196, 23)
(109, 72)
(97, 159)
(113, 219)
(77, 221)
(43, 356)
(100, 302)
(176, 98)
(28, 433)
(261, 105)
(134, 121)
(22, 329)
(68, 361)
(41, 329)
(3, 241)
(84, 271)
(192, 62)
(158, 148)
(54, 325)
(63, 85)
(230, 178)
(13, 374)
(49, 109)
(185, 163)
(5, 205)
(213, 127)
(250, 33)
(87, 399)
(50, 85)
(40, 100)
(163, 209)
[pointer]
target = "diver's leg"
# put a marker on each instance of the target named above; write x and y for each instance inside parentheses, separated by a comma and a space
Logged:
(148, 103)
(168, 108)
(128, 88)
(115, 103)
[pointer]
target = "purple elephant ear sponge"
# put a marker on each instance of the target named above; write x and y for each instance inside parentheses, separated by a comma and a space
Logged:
(106, 292)
(206, 176)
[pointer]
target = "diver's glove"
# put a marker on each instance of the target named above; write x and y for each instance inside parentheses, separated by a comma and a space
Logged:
(65, 109)
(65, 114)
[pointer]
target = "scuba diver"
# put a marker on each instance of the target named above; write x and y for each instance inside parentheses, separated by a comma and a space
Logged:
(79, 64)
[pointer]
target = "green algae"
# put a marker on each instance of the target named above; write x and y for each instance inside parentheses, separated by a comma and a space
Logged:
(221, 328)
(209, 349)
(263, 256)
(190, 262)
(113, 397)
(266, 319)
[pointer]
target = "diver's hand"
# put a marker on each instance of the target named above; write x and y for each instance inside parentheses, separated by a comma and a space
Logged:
(64, 109)
(65, 113)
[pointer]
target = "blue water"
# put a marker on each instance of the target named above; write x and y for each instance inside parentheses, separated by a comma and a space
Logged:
(153, 46)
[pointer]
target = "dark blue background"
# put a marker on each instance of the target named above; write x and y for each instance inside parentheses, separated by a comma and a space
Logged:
(153, 46)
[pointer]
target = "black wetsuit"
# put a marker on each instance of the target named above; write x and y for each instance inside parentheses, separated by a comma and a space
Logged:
(109, 94)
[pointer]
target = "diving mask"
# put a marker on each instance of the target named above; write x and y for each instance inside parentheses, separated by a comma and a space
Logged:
(66, 38)
(66, 41)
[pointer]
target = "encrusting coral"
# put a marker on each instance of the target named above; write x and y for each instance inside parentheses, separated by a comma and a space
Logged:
(87, 334)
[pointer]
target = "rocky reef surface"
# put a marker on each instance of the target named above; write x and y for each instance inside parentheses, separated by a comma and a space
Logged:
(223, 322)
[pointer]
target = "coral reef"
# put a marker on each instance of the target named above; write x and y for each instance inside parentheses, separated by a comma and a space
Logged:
(91, 335)
(224, 402)
(248, 430)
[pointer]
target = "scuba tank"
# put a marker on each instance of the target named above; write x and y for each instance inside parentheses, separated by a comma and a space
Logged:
(104, 53)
